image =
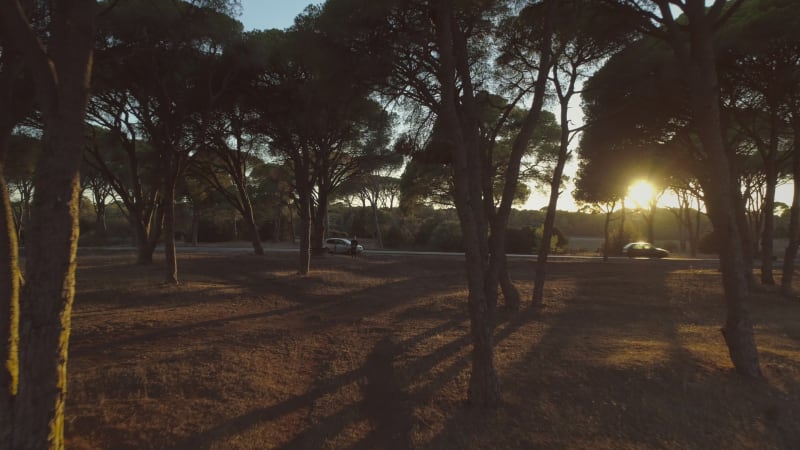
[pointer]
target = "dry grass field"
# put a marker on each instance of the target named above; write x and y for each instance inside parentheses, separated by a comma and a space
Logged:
(373, 353)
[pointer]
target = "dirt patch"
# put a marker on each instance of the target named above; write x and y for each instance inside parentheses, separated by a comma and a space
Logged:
(373, 352)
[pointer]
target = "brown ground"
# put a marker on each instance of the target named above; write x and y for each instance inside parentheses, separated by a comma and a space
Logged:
(373, 353)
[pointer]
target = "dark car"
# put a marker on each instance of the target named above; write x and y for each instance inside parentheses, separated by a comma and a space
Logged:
(645, 249)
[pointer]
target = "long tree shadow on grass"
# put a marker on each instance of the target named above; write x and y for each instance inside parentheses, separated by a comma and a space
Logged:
(387, 403)
(321, 311)
(614, 369)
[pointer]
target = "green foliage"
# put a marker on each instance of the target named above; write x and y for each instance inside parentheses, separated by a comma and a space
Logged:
(446, 237)
(708, 243)
(398, 236)
(521, 240)
(619, 238)
(557, 242)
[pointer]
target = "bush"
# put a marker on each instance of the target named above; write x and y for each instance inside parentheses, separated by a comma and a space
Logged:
(209, 230)
(397, 236)
(617, 240)
(557, 241)
(520, 240)
(670, 246)
(708, 243)
(446, 237)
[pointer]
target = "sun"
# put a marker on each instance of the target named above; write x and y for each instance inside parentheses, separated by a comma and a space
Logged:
(641, 193)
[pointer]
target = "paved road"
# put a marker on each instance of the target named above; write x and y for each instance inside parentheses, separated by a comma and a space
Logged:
(692, 262)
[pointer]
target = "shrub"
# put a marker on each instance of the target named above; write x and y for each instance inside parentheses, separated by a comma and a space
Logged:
(557, 241)
(708, 243)
(670, 246)
(520, 240)
(446, 237)
(617, 240)
(397, 236)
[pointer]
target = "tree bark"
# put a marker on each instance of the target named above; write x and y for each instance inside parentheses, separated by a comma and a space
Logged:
(606, 225)
(767, 243)
(61, 74)
(651, 224)
(484, 388)
(304, 215)
(100, 226)
(16, 96)
(170, 254)
(696, 53)
(794, 221)
(555, 188)
(319, 228)
(250, 219)
(146, 232)
(377, 222)
(9, 305)
(511, 296)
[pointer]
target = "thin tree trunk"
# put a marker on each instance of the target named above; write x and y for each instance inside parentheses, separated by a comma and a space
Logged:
(767, 233)
(794, 221)
(100, 227)
(377, 222)
(621, 231)
(305, 233)
(319, 227)
(511, 296)
(696, 235)
(606, 225)
(170, 254)
(277, 229)
(250, 219)
(550, 216)
(195, 227)
(9, 306)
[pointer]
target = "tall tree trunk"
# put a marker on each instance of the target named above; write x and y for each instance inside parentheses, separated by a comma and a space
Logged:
(100, 227)
(484, 387)
(49, 292)
(794, 220)
(696, 235)
(146, 231)
(170, 255)
(749, 243)
(606, 236)
(621, 231)
(250, 219)
(552, 206)
(318, 229)
(277, 229)
(511, 296)
(723, 198)
(304, 214)
(195, 227)
(9, 305)
(61, 75)
(377, 223)
(767, 233)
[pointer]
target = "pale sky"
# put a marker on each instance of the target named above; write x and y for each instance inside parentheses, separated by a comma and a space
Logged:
(266, 14)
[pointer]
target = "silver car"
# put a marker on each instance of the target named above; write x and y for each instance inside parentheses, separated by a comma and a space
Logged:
(340, 245)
